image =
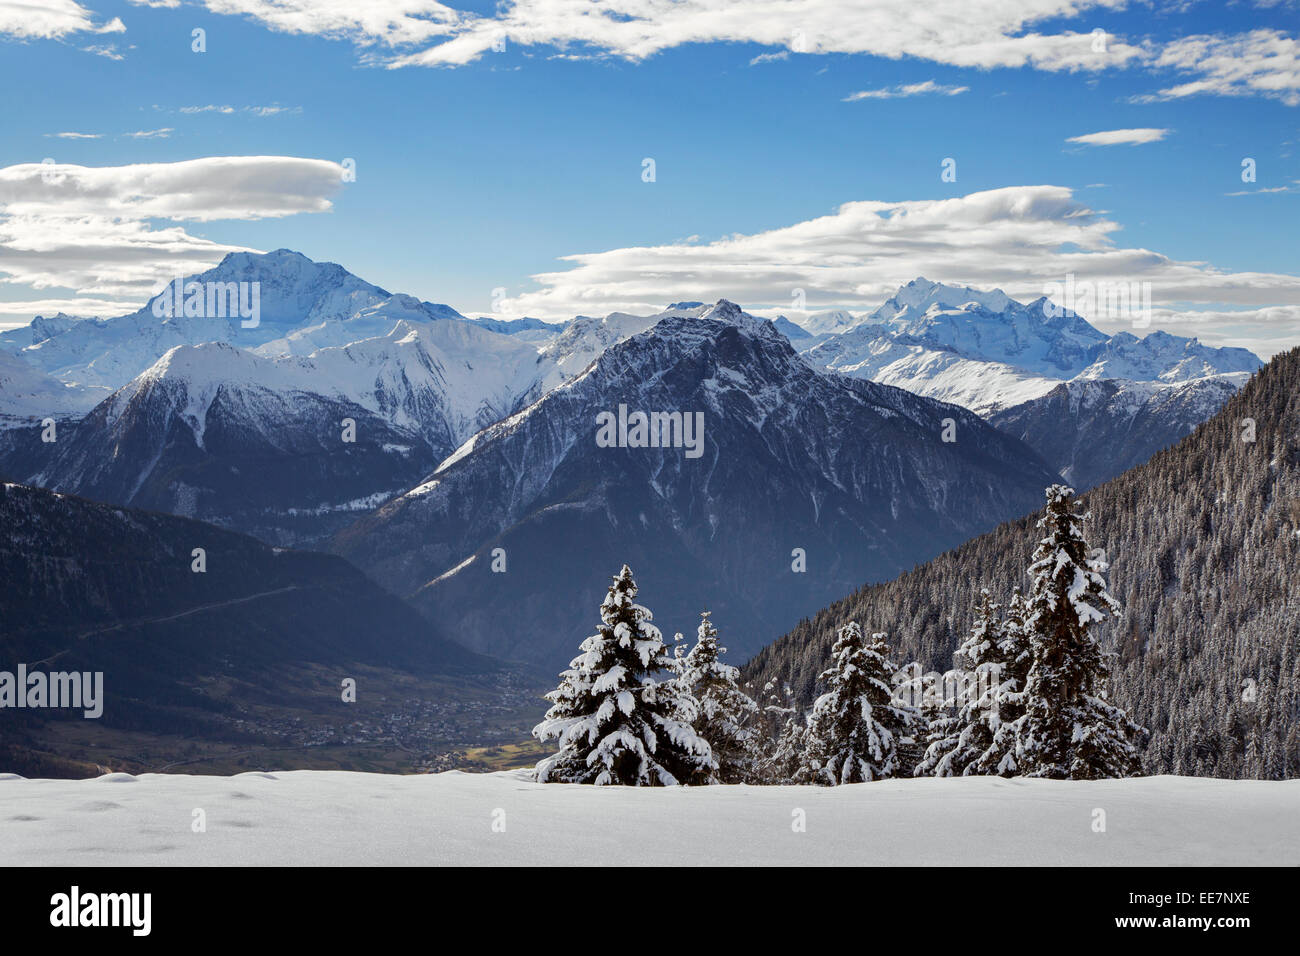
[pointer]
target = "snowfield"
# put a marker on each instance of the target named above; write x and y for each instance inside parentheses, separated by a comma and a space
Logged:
(339, 818)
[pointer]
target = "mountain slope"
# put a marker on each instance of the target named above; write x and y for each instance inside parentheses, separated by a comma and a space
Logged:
(1204, 542)
(30, 394)
(1092, 430)
(98, 588)
(75, 569)
(855, 474)
(247, 654)
(217, 433)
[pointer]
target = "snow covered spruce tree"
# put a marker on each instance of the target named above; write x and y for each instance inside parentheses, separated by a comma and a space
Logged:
(999, 758)
(615, 720)
(724, 715)
(956, 745)
(1069, 730)
(855, 726)
(784, 738)
(786, 761)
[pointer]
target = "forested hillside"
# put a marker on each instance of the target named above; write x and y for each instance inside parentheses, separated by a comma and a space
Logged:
(1204, 545)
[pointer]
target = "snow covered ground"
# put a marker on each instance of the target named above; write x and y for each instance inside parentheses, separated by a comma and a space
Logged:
(331, 817)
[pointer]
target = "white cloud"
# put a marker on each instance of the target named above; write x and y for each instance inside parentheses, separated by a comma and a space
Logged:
(910, 89)
(50, 19)
(75, 135)
(956, 33)
(95, 230)
(397, 33)
(947, 31)
(227, 110)
(20, 312)
(1018, 239)
(386, 22)
(108, 51)
(1260, 63)
(1121, 137)
(1262, 191)
(163, 133)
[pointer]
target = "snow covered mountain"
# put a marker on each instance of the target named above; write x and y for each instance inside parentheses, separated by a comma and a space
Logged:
(179, 411)
(30, 393)
(1091, 430)
(217, 433)
(794, 468)
(988, 352)
(1167, 358)
(242, 426)
(827, 323)
(294, 292)
(260, 444)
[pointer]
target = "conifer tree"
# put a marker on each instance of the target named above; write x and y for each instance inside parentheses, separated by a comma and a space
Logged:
(936, 728)
(781, 750)
(786, 762)
(615, 721)
(1008, 704)
(957, 744)
(1069, 729)
(932, 718)
(855, 726)
(724, 714)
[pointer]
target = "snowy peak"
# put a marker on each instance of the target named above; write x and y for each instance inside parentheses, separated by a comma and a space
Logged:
(826, 323)
(1163, 357)
(292, 289)
(988, 352)
(587, 337)
(293, 306)
(921, 295)
(990, 326)
(725, 311)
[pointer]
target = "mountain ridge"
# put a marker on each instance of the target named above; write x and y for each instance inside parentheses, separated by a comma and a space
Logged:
(791, 457)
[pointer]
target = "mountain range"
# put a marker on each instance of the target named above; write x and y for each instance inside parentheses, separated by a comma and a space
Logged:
(417, 441)
(988, 352)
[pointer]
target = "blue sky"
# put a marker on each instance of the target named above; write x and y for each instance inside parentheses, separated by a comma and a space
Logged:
(481, 170)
